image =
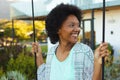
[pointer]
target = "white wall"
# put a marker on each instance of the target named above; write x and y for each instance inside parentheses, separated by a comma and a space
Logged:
(112, 24)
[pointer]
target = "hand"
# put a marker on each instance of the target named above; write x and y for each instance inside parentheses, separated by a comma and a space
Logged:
(36, 48)
(101, 51)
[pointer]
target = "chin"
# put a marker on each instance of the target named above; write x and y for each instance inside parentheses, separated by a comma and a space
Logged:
(75, 41)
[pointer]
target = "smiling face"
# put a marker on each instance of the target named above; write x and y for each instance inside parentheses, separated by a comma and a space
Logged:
(69, 30)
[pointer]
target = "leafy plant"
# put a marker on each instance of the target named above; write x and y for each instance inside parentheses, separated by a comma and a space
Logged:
(113, 72)
(1, 71)
(21, 28)
(13, 75)
(24, 64)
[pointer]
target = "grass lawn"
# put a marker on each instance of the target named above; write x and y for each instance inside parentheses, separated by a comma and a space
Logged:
(43, 47)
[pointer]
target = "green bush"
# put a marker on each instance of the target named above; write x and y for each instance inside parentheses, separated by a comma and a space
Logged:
(24, 64)
(1, 72)
(21, 61)
(113, 72)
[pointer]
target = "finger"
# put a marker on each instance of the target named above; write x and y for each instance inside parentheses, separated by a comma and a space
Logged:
(32, 43)
(104, 46)
(33, 51)
(106, 51)
(34, 48)
(104, 43)
(104, 54)
(98, 48)
(37, 43)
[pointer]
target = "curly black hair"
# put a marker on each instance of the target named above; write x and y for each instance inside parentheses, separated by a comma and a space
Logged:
(57, 16)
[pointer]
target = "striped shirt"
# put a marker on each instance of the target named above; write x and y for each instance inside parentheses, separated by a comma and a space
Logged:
(83, 63)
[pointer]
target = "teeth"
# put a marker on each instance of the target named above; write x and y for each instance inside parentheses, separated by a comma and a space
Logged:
(75, 35)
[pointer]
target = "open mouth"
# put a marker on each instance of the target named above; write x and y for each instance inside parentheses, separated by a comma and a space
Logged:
(74, 34)
(75, 37)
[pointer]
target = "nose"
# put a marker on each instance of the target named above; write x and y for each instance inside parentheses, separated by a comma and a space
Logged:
(77, 29)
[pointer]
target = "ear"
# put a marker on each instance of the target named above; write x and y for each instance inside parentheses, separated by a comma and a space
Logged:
(59, 31)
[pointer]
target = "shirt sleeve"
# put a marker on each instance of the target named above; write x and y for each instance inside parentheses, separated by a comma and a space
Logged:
(88, 65)
(41, 72)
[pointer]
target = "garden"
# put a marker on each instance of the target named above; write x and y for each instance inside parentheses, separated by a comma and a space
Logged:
(17, 61)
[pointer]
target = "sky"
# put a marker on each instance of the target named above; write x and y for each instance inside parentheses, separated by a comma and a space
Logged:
(55, 2)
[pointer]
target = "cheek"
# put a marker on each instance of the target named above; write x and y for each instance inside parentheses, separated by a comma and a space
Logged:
(66, 35)
(79, 31)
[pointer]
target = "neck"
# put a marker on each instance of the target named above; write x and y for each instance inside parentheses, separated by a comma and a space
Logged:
(64, 47)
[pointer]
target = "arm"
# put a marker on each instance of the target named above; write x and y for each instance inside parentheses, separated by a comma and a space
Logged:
(97, 75)
(100, 52)
(89, 65)
(36, 49)
(39, 60)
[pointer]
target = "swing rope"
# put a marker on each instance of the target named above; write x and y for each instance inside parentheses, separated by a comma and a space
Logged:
(103, 38)
(34, 37)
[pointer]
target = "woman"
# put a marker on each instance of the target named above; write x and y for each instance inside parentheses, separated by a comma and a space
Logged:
(68, 60)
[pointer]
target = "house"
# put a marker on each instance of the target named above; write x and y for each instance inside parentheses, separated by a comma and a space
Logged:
(112, 22)
(92, 11)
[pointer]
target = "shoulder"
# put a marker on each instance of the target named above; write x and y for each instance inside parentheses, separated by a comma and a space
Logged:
(52, 49)
(84, 51)
(50, 55)
(82, 47)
